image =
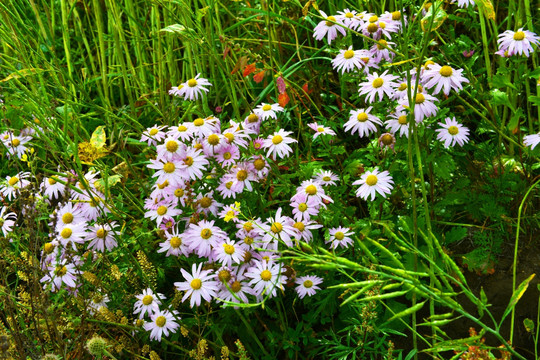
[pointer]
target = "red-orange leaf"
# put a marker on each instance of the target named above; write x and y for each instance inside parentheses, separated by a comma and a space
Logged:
(305, 88)
(258, 77)
(249, 69)
(283, 99)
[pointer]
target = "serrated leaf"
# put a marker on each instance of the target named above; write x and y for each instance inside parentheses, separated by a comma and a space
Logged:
(454, 235)
(437, 18)
(98, 138)
(499, 97)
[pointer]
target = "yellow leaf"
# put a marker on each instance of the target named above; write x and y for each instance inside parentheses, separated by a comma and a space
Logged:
(486, 6)
(98, 137)
(438, 18)
(22, 73)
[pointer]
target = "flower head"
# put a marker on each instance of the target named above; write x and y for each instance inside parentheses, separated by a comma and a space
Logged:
(517, 42)
(452, 132)
(162, 322)
(277, 144)
(531, 140)
(443, 77)
(307, 285)
(372, 182)
(330, 26)
(198, 284)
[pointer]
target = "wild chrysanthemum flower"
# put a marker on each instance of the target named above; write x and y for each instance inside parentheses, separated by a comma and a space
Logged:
(326, 177)
(330, 26)
(72, 233)
(423, 106)
(194, 163)
(198, 285)
(193, 88)
(518, 42)
(303, 229)
(348, 60)
(230, 212)
(362, 121)
(102, 237)
(266, 278)
(378, 85)
(207, 204)
(153, 135)
(372, 182)
(229, 252)
(387, 140)
(147, 303)
(52, 187)
(261, 168)
(277, 144)
(452, 132)
(321, 130)
(204, 127)
(307, 285)
(304, 206)
(162, 322)
(162, 211)
(171, 149)
(7, 220)
(375, 27)
(69, 214)
(443, 77)
(228, 155)
(203, 237)
(278, 228)
(62, 272)
(349, 18)
(237, 290)
(242, 177)
(340, 236)
(168, 170)
(398, 122)
(313, 189)
(97, 301)
(17, 145)
(10, 188)
(265, 111)
(174, 245)
(531, 140)
(184, 131)
(379, 51)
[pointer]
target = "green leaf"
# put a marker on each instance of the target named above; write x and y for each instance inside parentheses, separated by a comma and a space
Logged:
(454, 235)
(499, 97)
(529, 325)
(98, 138)
(407, 312)
(438, 18)
(517, 295)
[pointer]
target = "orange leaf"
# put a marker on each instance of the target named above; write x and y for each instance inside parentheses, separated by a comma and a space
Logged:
(249, 69)
(240, 64)
(305, 88)
(283, 99)
(258, 77)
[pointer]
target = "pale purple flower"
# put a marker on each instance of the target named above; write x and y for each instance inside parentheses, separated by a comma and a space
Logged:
(423, 106)
(372, 182)
(102, 237)
(277, 144)
(266, 278)
(162, 322)
(326, 177)
(193, 88)
(328, 27)
(443, 77)
(265, 111)
(7, 221)
(452, 132)
(198, 285)
(307, 285)
(378, 86)
(517, 42)
(153, 135)
(362, 121)
(531, 140)
(174, 245)
(321, 130)
(349, 60)
(340, 236)
(147, 303)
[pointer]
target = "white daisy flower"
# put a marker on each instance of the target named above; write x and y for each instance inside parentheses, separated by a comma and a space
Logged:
(348, 60)
(193, 88)
(378, 85)
(277, 144)
(162, 322)
(372, 182)
(443, 77)
(531, 140)
(266, 278)
(330, 26)
(265, 111)
(147, 302)
(362, 121)
(340, 236)
(198, 285)
(7, 221)
(307, 285)
(452, 133)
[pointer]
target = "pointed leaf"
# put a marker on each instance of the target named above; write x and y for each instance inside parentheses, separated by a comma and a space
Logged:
(98, 137)
(517, 295)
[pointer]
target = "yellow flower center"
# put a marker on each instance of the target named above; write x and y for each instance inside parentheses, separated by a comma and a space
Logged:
(396, 15)
(277, 139)
(248, 240)
(182, 128)
(428, 63)
(205, 202)
(302, 207)
(308, 284)
(12, 181)
(228, 185)
(60, 271)
(51, 181)
(15, 142)
(299, 225)
(192, 83)
(227, 155)
(327, 178)
(206, 234)
(242, 175)
(248, 226)
(153, 132)
(259, 164)
(162, 210)
(252, 118)
(172, 146)
(518, 36)
(175, 242)
(224, 275)
(377, 83)
(164, 185)
(362, 117)
(371, 28)
(373, 19)
(229, 136)
(213, 139)
(330, 21)
(402, 120)
(266, 275)
(229, 249)
(198, 122)
(420, 98)
(387, 139)
(446, 71)
(48, 248)
(382, 43)
(67, 218)
(349, 15)
(101, 233)
(160, 321)
(453, 130)
(371, 180)
(196, 284)
(311, 189)
(276, 228)
(267, 107)
(147, 299)
(66, 233)
(236, 286)
(339, 235)
(198, 146)
(348, 54)
(188, 161)
(382, 24)
(169, 167)
(179, 192)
